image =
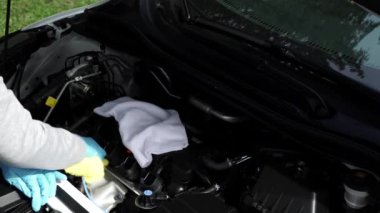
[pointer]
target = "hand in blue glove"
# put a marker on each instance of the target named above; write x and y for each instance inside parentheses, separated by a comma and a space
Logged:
(36, 184)
(93, 149)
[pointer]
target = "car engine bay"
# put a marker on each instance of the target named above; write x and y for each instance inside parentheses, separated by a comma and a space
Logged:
(232, 163)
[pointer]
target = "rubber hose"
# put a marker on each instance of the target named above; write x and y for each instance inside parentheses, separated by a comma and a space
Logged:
(211, 164)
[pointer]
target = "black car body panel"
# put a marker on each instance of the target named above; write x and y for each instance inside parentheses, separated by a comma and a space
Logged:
(233, 79)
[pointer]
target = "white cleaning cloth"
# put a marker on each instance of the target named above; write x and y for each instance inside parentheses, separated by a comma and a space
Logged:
(145, 128)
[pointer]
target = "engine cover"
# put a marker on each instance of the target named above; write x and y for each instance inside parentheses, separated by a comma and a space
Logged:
(274, 192)
(195, 203)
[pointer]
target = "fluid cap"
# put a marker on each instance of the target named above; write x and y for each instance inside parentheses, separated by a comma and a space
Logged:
(146, 200)
(148, 193)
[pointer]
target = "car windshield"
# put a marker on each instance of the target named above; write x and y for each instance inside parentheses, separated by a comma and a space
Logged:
(337, 27)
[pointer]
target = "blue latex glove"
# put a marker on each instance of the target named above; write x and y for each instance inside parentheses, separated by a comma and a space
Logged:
(93, 149)
(36, 184)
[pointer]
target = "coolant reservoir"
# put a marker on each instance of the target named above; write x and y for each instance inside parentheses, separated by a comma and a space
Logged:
(356, 186)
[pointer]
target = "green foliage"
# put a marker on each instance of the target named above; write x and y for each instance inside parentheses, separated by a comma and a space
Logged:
(25, 12)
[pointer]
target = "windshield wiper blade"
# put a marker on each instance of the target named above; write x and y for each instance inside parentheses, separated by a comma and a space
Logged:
(234, 33)
(198, 20)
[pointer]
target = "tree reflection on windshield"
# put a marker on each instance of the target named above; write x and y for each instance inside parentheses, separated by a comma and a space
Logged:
(336, 26)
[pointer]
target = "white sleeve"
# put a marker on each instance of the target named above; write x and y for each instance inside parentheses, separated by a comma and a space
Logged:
(28, 143)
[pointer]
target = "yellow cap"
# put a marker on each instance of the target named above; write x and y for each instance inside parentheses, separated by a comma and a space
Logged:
(51, 102)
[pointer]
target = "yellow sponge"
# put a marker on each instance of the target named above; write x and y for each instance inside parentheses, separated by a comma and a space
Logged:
(91, 168)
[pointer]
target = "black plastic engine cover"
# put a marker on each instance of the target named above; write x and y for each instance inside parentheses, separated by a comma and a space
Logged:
(274, 192)
(195, 203)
